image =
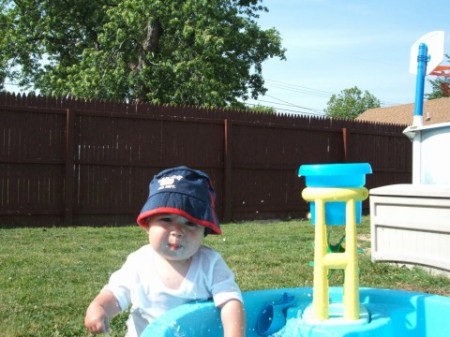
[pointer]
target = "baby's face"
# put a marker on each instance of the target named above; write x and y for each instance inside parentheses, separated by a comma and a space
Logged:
(174, 237)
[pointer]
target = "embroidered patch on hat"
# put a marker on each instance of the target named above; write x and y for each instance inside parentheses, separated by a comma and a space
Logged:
(169, 182)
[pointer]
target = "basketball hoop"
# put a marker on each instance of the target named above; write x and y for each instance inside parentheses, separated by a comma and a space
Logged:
(441, 71)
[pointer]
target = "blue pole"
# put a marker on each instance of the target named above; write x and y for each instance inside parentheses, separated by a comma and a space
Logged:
(422, 60)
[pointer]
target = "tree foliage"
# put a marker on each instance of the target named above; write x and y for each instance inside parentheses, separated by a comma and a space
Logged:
(440, 87)
(195, 52)
(350, 103)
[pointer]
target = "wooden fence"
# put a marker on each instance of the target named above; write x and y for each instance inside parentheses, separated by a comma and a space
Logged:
(69, 162)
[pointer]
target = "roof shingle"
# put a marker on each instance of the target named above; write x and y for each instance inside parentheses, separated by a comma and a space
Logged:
(434, 111)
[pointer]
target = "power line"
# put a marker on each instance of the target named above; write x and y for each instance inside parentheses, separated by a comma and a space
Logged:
(286, 86)
(299, 88)
(293, 105)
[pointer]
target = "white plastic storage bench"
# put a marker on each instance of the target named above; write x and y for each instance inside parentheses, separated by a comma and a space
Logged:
(410, 224)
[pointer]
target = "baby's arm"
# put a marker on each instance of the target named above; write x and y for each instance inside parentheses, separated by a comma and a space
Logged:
(100, 311)
(233, 319)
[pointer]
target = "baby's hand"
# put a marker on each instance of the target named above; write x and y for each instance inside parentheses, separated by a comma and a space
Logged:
(96, 324)
(102, 308)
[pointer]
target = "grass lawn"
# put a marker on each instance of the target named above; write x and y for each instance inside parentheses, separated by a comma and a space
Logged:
(49, 275)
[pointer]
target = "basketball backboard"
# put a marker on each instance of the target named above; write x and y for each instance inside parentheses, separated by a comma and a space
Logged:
(435, 44)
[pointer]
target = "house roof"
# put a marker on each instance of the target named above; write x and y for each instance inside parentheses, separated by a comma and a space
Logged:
(434, 111)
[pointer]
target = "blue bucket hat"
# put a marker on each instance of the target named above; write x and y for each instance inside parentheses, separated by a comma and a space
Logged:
(185, 192)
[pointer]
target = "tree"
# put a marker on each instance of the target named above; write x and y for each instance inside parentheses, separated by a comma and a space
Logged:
(194, 52)
(350, 103)
(440, 87)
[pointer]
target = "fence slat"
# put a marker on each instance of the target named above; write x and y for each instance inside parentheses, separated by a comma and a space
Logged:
(69, 168)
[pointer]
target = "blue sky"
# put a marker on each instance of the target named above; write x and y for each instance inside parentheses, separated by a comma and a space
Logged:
(333, 45)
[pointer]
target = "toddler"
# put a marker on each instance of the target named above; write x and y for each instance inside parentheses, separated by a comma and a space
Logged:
(175, 267)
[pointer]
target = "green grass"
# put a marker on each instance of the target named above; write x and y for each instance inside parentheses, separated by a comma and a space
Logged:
(48, 276)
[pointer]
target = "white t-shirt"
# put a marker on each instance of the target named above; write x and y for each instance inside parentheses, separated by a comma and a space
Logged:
(137, 284)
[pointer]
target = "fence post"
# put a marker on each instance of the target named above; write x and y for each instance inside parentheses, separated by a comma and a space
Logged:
(68, 179)
(345, 139)
(227, 193)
